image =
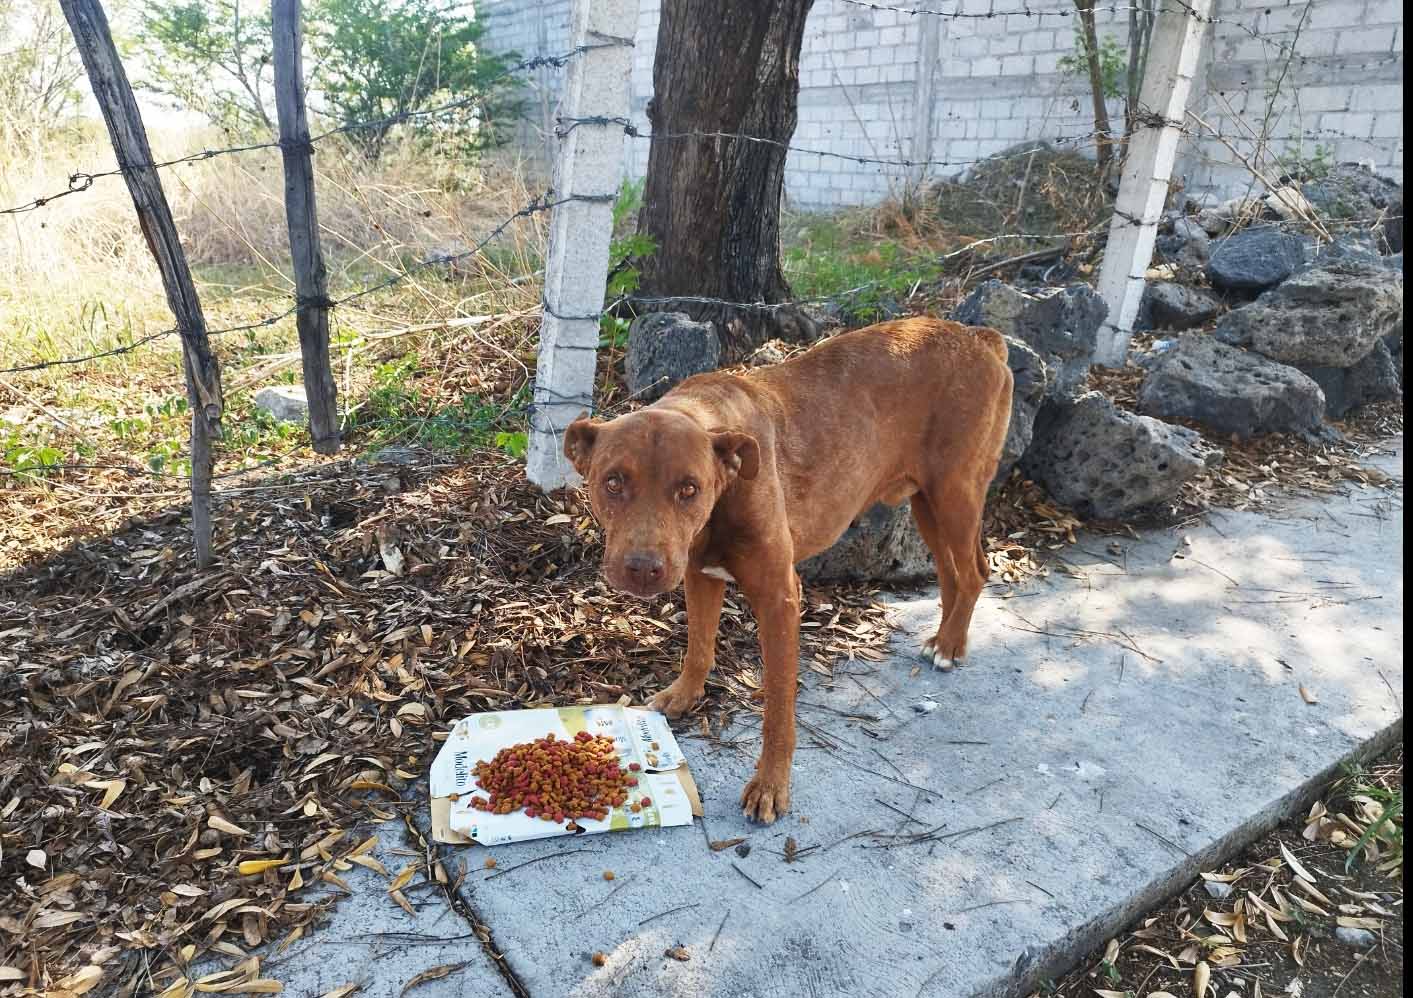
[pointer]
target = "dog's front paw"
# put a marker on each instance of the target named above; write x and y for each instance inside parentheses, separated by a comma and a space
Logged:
(766, 798)
(678, 698)
(931, 653)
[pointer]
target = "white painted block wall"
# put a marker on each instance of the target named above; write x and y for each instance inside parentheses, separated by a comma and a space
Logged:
(996, 82)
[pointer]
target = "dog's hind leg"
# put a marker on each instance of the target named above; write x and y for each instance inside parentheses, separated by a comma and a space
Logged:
(927, 526)
(704, 596)
(956, 507)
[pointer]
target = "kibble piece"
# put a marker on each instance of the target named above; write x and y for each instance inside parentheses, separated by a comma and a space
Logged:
(490, 863)
(554, 779)
(646, 801)
(608, 874)
(599, 959)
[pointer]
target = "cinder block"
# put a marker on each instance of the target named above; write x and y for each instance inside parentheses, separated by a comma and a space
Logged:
(1018, 65)
(1354, 40)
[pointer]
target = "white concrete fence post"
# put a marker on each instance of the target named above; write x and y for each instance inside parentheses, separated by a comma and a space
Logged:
(587, 170)
(1178, 34)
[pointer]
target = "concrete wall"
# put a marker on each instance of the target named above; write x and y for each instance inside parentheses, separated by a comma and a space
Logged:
(889, 85)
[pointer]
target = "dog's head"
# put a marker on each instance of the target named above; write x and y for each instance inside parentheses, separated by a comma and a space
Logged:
(653, 478)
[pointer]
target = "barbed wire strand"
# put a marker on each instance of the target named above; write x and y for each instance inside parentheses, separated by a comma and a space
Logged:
(82, 181)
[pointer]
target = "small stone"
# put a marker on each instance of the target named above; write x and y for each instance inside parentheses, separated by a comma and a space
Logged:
(1229, 390)
(394, 455)
(743, 850)
(926, 706)
(666, 348)
(285, 403)
(1217, 890)
(769, 352)
(1213, 222)
(1106, 462)
(1255, 259)
(1167, 305)
(1059, 324)
(1374, 379)
(1358, 938)
(1030, 379)
(881, 545)
(1329, 315)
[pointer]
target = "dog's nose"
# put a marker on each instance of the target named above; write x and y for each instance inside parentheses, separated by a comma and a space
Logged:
(644, 568)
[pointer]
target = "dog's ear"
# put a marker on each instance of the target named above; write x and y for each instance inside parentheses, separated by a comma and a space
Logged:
(739, 452)
(579, 439)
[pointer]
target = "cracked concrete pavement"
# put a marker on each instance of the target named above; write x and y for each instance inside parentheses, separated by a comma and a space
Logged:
(1128, 720)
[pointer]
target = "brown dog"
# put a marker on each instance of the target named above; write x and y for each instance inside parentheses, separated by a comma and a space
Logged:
(738, 478)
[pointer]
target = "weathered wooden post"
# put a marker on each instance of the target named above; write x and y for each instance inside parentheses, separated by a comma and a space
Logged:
(310, 277)
(1143, 189)
(203, 376)
(587, 172)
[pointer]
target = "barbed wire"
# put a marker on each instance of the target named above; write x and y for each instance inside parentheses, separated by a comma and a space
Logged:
(81, 181)
(1023, 149)
(1025, 10)
(542, 203)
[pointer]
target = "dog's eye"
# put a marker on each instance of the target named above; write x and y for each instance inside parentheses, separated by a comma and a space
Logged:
(686, 491)
(613, 485)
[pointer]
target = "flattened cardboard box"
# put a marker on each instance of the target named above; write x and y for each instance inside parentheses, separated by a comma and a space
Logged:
(664, 776)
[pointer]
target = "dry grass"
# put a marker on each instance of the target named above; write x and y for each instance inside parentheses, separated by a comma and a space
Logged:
(79, 277)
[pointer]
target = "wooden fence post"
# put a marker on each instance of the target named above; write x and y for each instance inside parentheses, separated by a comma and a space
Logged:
(310, 277)
(587, 173)
(203, 376)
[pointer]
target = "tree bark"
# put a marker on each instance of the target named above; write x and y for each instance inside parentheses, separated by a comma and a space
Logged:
(115, 99)
(302, 218)
(712, 202)
(1104, 136)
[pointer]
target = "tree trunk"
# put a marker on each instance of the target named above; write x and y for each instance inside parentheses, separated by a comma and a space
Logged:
(712, 203)
(1103, 138)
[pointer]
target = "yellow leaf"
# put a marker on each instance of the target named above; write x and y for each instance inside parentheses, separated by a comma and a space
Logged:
(180, 988)
(296, 881)
(342, 992)
(403, 878)
(82, 980)
(54, 919)
(364, 847)
(1201, 978)
(370, 863)
(250, 867)
(224, 908)
(1295, 866)
(113, 789)
(222, 825)
(402, 902)
(11, 974)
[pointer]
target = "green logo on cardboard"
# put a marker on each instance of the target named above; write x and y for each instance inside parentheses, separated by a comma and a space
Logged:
(490, 722)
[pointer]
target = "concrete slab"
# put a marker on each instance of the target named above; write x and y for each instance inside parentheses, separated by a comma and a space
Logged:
(1118, 726)
(373, 943)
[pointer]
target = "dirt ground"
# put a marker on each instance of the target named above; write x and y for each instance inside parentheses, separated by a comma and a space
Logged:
(1273, 932)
